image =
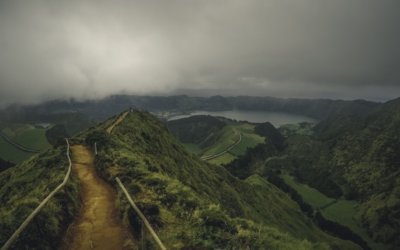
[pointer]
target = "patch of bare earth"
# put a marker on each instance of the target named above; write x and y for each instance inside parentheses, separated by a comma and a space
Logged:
(98, 225)
(118, 121)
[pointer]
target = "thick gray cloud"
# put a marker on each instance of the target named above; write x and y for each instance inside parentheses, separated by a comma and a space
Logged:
(300, 48)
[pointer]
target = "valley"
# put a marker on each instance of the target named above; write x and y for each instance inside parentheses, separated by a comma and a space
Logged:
(203, 175)
(199, 125)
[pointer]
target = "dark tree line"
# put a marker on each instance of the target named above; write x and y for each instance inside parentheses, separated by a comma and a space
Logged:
(326, 225)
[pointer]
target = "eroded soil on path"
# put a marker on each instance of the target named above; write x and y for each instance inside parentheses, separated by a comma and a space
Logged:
(98, 225)
(118, 121)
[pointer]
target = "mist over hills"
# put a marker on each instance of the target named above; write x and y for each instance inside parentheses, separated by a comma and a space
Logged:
(212, 124)
(104, 108)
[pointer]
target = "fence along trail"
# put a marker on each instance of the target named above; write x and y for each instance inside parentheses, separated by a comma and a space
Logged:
(98, 226)
(118, 121)
(26, 222)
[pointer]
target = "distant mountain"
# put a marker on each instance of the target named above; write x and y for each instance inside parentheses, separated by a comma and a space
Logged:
(107, 107)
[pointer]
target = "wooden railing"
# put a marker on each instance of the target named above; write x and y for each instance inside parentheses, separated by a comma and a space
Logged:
(141, 216)
(26, 222)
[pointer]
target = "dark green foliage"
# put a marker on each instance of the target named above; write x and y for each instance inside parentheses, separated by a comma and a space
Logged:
(101, 138)
(196, 129)
(56, 134)
(5, 164)
(24, 187)
(271, 133)
(357, 151)
(281, 184)
(245, 166)
(318, 178)
(194, 205)
(339, 230)
(331, 227)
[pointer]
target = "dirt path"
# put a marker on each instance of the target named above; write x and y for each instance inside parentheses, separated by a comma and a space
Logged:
(98, 225)
(118, 121)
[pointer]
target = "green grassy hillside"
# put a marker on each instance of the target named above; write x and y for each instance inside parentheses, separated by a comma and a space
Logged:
(26, 135)
(341, 211)
(213, 137)
(349, 156)
(361, 152)
(34, 138)
(195, 205)
(11, 153)
(23, 187)
(32, 135)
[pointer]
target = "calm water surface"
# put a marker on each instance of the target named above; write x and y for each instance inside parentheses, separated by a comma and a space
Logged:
(276, 118)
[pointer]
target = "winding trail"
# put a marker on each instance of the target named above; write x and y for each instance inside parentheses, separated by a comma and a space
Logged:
(98, 225)
(118, 121)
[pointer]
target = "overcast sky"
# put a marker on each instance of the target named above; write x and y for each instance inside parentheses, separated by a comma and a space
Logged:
(288, 48)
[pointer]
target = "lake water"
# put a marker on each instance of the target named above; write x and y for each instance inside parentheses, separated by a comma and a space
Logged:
(276, 118)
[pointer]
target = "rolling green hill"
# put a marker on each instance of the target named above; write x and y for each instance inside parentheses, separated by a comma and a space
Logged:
(364, 153)
(192, 204)
(195, 205)
(350, 156)
(217, 140)
(24, 186)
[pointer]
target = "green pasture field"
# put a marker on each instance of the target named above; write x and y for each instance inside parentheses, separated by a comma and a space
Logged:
(230, 135)
(341, 211)
(10, 153)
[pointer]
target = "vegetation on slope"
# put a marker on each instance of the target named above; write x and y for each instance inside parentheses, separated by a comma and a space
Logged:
(23, 187)
(218, 140)
(192, 204)
(348, 156)
(361, 154)
(5, 164)
(12, 154)
(196, 129)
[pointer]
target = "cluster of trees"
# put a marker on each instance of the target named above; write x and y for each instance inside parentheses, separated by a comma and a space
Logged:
(326, 225)
(281, 184)
(196, 129)
(5, 164)
(339, 230)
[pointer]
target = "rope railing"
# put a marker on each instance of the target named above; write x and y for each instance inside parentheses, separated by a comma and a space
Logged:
(141, 215)
(118, 120)
(26, 222)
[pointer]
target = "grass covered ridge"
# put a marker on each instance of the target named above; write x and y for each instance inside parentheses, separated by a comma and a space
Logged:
(24, 186)
(195, 205)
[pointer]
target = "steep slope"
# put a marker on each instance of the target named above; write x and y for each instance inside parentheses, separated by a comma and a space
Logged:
(23, 187)
(98, 225)
(201, 130)
(365, 152)
(353, 156)
(194, 205)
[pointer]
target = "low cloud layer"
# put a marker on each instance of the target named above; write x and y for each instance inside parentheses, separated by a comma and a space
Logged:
(299, 48)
